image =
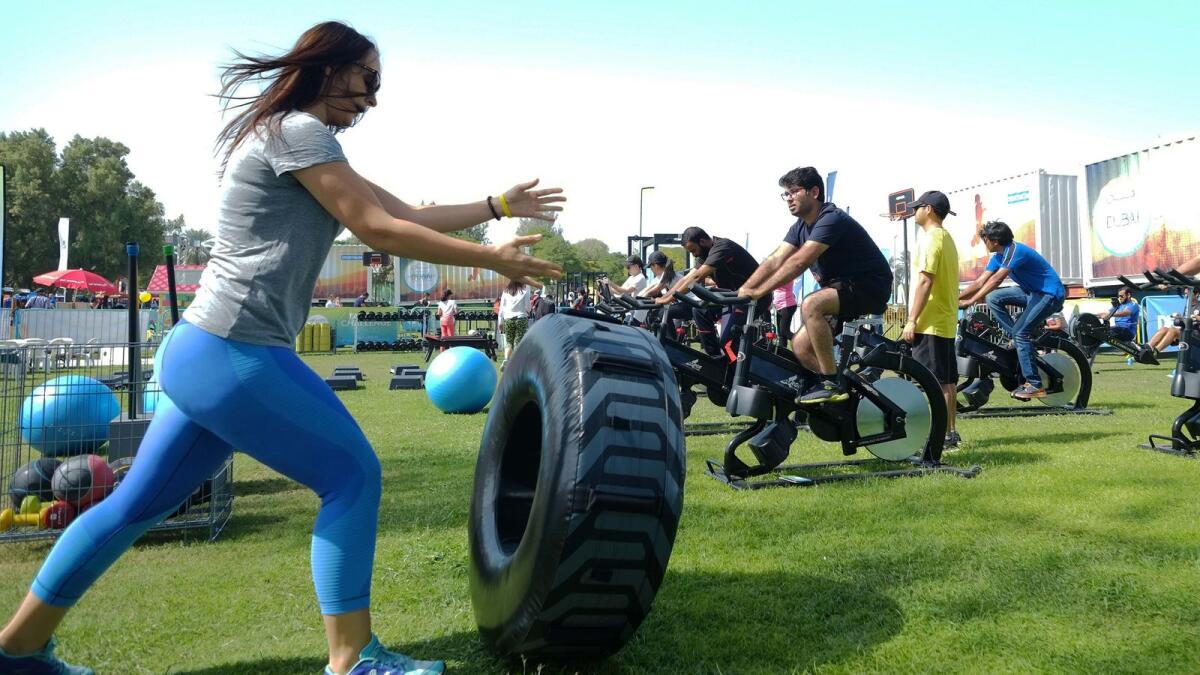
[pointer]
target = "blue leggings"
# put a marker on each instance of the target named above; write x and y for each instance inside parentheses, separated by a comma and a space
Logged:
(266, 403)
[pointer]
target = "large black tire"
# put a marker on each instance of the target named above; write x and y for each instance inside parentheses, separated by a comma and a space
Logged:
(578, 490)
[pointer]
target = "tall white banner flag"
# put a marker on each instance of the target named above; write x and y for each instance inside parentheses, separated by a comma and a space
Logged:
(64, 238)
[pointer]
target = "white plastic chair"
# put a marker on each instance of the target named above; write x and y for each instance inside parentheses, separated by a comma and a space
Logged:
(58, 351)
(89, 353)
(12, 361)
(36, 352)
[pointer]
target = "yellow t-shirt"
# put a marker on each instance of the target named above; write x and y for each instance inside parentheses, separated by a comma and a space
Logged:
(938, 256)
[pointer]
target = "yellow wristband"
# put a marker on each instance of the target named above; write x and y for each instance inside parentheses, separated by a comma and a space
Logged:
(504, 206)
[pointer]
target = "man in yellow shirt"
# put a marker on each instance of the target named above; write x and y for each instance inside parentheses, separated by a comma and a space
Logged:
(933, 311)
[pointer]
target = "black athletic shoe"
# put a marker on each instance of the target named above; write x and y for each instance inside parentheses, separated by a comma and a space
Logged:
(1147, 356)
(952, 441)
(825, 391)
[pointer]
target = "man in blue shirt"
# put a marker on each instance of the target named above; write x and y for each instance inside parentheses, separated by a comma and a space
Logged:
(1039, 292)
(39, 301)
(1124, 315)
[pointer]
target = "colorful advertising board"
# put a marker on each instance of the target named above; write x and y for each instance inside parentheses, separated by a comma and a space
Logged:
(1011, 200)
(1141, 210)
(402, 281)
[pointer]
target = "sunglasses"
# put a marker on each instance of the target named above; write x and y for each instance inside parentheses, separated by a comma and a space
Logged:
(370, 78)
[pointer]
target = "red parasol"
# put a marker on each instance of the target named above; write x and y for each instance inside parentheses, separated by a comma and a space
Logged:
(77, 279)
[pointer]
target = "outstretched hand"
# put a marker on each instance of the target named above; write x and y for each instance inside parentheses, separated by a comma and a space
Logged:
(525, 202)
(510, 261)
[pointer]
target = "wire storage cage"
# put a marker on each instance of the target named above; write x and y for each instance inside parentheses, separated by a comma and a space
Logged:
(71, 418)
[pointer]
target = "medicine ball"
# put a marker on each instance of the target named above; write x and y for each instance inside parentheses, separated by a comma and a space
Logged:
(82, 480)
(33, 479)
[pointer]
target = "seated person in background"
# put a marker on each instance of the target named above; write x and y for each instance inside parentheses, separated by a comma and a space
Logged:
(731, 266)
(1168, 335)
(1124, 315)
(580, 303)
(633, 285)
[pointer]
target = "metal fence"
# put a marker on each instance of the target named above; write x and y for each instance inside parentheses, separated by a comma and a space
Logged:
(71, 418)
(80, 325)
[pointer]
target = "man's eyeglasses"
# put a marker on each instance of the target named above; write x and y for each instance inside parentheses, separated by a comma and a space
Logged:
(370, 78)
(787, 196)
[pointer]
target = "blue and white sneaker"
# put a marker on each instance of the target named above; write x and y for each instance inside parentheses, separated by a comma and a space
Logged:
(375, 660)
(41, 663)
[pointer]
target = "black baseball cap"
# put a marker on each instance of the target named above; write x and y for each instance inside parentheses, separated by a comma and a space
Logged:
(938, 201)
(633, 260)
(658, 258)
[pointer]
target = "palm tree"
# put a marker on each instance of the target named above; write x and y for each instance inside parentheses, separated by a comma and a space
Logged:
(899, 278)
(197, 244)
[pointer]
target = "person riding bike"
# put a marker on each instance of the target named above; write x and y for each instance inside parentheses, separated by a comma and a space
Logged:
(1039, 292)
(854, 276)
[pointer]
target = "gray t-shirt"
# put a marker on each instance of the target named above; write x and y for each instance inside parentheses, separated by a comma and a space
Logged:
(272, 237)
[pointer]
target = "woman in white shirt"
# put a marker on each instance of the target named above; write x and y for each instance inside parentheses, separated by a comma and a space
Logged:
(514, 314)
(447, 310)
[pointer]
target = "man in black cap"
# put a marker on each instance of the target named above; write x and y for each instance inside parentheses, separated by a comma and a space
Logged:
(730, 266)
(634, 284)
(855, 278)
(933, 310)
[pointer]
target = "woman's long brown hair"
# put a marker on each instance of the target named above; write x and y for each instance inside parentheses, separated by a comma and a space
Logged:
(296, 79)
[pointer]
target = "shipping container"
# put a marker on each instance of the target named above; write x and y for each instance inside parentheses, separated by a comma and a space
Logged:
(1141, 213)
(402, 280)
(1041, 208)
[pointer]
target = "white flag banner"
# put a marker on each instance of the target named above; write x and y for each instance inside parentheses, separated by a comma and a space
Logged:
(64, 238)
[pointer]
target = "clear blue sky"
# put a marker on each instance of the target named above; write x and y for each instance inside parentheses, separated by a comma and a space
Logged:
(1119, 70)
(1130, 59)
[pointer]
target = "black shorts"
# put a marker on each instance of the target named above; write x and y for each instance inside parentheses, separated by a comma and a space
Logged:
(1122, 333)
(937, 354)
(860, 296)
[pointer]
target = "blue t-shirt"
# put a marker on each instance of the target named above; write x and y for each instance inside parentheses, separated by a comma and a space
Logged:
(1029, 269)
(1130, 321)
(852, 254)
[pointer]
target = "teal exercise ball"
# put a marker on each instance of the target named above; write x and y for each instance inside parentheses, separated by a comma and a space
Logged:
(150, 395)
(460, 380)
(68, 415)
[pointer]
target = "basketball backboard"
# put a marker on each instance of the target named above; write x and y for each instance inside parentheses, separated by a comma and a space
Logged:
(898, 204)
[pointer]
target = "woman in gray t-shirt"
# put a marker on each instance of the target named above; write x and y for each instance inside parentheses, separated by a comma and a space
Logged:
(228, 369)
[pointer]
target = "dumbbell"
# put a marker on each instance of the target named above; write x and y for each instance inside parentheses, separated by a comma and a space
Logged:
(56, 516)
(27, 516)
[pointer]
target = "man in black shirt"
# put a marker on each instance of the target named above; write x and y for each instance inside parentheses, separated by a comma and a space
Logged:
(729, 265)
(855, 278)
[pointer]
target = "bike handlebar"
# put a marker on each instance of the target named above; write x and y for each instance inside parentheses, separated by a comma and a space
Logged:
(719, 296)
(1160, 277)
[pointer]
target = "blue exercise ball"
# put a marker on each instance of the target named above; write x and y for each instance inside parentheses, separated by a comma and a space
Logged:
(150, 395)
(460, 380)
(68, 415)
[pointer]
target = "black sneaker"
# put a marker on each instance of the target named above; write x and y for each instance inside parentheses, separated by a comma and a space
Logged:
(952, 441)
(825, 391)
(1147, 356)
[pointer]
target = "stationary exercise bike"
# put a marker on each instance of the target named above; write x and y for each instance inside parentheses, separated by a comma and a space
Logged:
(898, 419)
(692, 366)
(1091, 333)
(1185, 432)
(985, 352)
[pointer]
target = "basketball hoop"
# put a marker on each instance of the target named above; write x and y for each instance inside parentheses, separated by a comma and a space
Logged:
(375, 267)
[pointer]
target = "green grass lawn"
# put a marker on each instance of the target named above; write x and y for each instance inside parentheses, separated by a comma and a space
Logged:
(1073, 551)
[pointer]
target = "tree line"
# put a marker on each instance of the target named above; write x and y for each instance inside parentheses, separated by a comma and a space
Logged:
(89, 182)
